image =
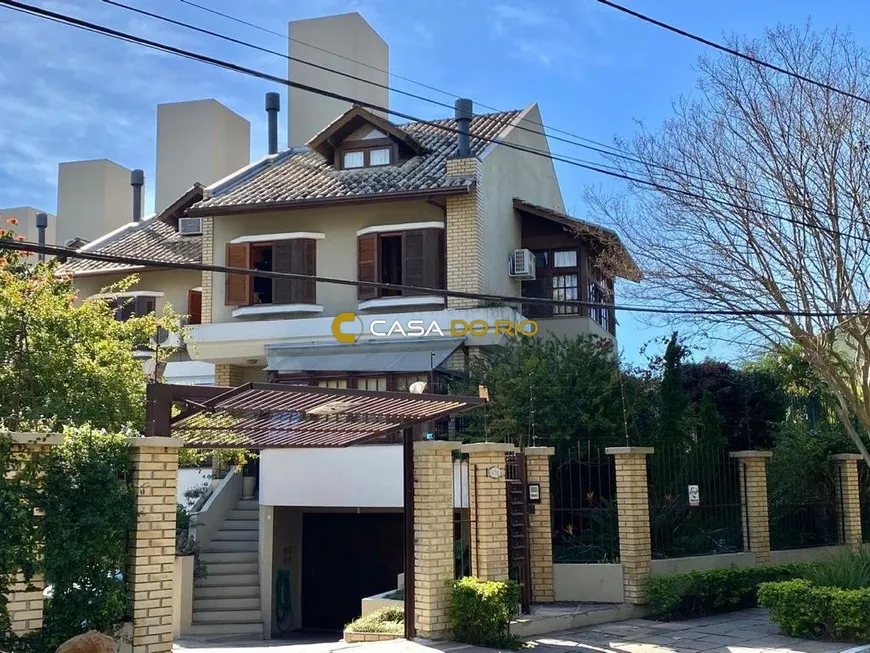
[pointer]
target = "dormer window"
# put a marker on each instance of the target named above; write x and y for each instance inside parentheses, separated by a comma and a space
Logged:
(365, 154)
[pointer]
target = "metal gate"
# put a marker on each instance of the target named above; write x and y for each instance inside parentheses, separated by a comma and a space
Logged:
(519, 564)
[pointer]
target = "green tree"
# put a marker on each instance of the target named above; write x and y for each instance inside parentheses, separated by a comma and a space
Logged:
(674, 416)
(63, 360)
(710, 422)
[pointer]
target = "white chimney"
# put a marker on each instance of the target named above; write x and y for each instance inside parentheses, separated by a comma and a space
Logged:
(354, 44)
(197, 141)
(93, 198)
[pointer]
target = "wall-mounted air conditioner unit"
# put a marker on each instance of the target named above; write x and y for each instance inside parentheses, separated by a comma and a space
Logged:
(522, 265)
(190, 226)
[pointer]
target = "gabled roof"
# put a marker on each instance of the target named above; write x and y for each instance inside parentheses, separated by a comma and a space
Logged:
(154, 237)
(304, 177)
(626, 268)
(330, 136)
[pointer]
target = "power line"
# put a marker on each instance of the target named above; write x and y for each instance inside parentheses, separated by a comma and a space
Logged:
(610, 152)
(580, 163)
(732, 51)
(68, 252)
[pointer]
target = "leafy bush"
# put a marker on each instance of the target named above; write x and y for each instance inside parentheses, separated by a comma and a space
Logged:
(89, 511)
(698, 593)
(846, 571)
(384, 620)
(802, 609)
(481, 611)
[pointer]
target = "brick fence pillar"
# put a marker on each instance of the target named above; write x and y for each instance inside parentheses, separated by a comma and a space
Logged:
(753, 502)
(25, 600)
(433, 536)
(487, 500)
(541, 525)
(152, 543)
(632, 500)
(849, 496)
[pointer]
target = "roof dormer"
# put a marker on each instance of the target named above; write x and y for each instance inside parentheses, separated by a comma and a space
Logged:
(360, 139)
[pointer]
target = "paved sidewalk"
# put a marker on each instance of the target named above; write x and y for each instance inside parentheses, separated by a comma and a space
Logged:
(749, 631)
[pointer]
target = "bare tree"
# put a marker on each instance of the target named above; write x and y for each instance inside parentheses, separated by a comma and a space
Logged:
(754, 197)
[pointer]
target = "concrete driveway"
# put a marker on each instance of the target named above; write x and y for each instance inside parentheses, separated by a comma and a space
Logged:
(749, 631)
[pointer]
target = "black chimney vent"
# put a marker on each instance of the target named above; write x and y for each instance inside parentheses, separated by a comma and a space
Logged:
(41, 224)
(273, 106)
(137, 180)
(464, 112)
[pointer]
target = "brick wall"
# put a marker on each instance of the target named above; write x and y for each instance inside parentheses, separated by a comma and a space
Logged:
(207, 277)
(152, 543)
(464, 235)
(540, 525)
(487, 498)
(433, 536)
(229, 375)
(632, 496)
(849, 496)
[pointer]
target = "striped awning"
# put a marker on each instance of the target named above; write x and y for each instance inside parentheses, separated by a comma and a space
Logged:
(265, 416)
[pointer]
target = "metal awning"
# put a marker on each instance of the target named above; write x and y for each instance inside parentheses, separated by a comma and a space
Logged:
(401, 355)
(263, 415)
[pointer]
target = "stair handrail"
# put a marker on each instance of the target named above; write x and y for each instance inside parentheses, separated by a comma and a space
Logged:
(206, 522)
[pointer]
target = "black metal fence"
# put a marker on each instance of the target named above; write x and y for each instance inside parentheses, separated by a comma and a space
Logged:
(461, 516)
(805, 513)
(694, 502)
(585, 519)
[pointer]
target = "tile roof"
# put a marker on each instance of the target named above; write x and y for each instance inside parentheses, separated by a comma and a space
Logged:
(304, 175)
(155, 237)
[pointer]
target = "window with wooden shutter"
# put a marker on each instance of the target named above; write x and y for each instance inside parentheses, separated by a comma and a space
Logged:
(194, 307)
(296, 256)
(239, 286)
(367, 264)
(424, 259)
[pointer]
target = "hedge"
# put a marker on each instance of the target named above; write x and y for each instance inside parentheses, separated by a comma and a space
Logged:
(802, 609)
(699, 593)
(481, 612)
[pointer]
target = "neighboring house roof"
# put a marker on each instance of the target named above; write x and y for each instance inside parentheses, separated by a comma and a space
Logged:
(626, 266)
(154, 237)
(300, 177)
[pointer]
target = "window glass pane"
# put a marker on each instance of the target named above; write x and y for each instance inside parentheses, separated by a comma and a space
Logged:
(403, 383)
(354, 159)
(565, 259)
(542, 258)
(565, 287)
(332, 383)
(379, 157)
(372, 383)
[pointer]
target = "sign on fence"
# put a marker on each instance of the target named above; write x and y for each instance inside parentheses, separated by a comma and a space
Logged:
(694, 496)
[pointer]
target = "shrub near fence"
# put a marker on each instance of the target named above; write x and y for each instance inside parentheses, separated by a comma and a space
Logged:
(679, 529)
(585, 519)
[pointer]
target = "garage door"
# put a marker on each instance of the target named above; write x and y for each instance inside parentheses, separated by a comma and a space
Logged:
(346, 557)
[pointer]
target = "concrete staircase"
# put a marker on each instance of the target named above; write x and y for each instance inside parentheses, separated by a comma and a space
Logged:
(227, 602)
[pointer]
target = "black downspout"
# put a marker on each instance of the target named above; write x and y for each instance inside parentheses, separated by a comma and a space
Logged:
(273, 106)
(137, 181)
(408, 455)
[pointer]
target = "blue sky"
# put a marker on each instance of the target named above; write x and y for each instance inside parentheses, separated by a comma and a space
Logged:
(69, 95)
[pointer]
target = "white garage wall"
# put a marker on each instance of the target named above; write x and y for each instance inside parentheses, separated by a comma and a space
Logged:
(366, 476)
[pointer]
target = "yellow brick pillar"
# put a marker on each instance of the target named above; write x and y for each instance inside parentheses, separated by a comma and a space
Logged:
(487, 497)
(632, 499)
(464, 225)
(229, 375)
(152, 543)
(849, 496)
(25, 600)
(540, 525)
(433, 536)
(207, 277)
(753, 502)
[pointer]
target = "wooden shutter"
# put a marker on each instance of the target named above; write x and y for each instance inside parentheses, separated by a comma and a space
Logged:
(367, 264)
(423, 252)
(239, 288)
(194, 307)
(297, 256)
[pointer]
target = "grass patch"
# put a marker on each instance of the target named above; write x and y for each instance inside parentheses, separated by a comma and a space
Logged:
(386, 620)
(846, 571)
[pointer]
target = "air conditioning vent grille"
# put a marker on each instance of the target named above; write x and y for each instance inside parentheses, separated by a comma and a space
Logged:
(522, 265)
